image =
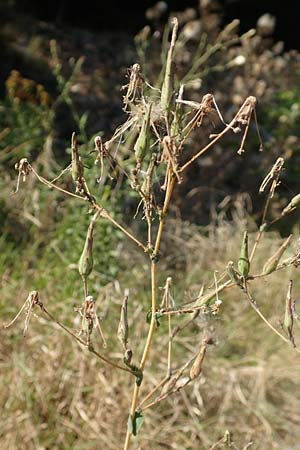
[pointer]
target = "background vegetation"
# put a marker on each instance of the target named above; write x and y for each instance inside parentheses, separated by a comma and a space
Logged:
(55, 396)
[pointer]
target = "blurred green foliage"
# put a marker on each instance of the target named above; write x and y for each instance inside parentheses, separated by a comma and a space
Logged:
(47, 232)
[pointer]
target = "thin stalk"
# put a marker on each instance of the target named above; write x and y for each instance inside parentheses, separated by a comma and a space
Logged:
(104, 213)
(260, 232)
(216, 139)
(169, 345)
(152, 392)
(257, 310)
(174, 391)
(52, 185)
(107, 216)
(90, 348)
(146, 349)
(152, 326)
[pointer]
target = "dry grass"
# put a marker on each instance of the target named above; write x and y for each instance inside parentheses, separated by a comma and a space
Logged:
(56, 396)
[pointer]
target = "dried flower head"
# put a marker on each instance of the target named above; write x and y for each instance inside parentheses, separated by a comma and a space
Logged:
(32, 299)
(24, 168)
(90, 319)
(134, 89)
(273, 176)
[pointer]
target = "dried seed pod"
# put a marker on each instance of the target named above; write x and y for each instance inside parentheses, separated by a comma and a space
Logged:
(288, 316)
(85, 265)
(273, 261)
(123, 324)
(134, 88)
(143, 141)
(76, 163)
(197, 364)
(294, 203)
(243, 262)
(147, 183)
(166, 90)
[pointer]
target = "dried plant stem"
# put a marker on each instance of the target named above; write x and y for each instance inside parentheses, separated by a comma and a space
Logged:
(107, 216)
(190, 126)
(214, 446)
(155, 389)
(52, 185)
(134, 401)
(16, 317)
(216, 139)
(104, 213)
(85, 287)
(168, 196)
(162, 397)
(146, 349)
(260, 232)
(265, 320)
(80, 341)
(169, 345)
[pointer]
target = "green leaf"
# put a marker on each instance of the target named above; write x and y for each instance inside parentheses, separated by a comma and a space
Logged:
(134, 423)
(148, 316)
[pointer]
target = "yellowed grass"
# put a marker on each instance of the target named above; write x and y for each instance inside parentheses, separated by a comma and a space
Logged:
(56, 396)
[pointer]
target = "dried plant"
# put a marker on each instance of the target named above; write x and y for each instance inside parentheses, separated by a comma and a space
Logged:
(153, 163)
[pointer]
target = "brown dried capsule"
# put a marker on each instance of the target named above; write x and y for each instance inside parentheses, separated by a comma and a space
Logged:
(197, 364)
(123, 324)
(288, 316)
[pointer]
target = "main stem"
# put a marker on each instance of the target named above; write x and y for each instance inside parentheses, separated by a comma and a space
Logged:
(153, 265)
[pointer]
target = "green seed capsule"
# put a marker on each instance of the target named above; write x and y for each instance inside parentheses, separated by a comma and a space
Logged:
(143, 141)
(272, 262)
(243, 262)
(294, 203)
(167, 87)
